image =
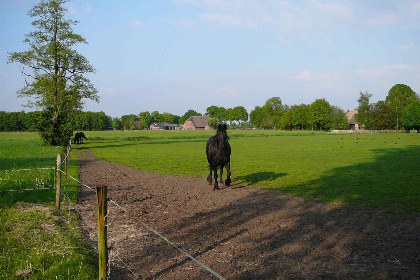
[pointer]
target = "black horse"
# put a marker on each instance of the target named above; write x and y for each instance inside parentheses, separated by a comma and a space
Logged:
(78, 138)
(218, 155)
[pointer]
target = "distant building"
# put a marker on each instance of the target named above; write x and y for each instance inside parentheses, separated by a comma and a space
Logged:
(165, 126)
(351, 116)
(197, 123)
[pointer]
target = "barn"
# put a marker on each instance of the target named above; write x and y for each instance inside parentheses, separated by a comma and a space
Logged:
(197, 123)
(351, 116)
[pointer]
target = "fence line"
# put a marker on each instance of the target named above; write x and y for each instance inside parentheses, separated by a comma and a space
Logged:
(214, 273)
(126, 266)
(27, 190)
(78, 181)
(171, 243)
(217, 275)
(116, 254)
(28, 169)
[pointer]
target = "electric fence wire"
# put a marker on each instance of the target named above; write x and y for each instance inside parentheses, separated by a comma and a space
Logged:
(214, 273)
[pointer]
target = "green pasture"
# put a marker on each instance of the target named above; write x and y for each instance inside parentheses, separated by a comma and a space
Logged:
(373, 170)
(37, 241)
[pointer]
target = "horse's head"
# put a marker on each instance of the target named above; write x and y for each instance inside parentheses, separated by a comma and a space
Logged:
(221, 132)
(221, 128)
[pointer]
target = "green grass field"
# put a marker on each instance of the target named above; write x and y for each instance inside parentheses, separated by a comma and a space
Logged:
(373, 170)
(36, 241)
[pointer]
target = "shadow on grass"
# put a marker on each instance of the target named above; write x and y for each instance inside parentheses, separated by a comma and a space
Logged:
(20, 163)
(257, 178)
(390, 181)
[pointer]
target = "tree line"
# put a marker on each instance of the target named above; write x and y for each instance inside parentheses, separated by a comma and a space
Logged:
(318, 115)
(400, 109)
(32, 121)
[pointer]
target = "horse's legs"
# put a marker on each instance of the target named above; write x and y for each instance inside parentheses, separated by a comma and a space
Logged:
(221, 175)
(228, 181)
(216, 185)
(209, 179)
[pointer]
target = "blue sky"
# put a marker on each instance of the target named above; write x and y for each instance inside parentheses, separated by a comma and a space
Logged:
(176, 55)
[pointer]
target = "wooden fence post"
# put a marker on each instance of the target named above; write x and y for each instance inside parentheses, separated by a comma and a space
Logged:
(101, 198)
(58, 182)
(67, 159)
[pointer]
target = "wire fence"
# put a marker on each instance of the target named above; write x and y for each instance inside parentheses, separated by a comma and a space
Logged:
(157, 233)
(114, 255)
(28, 179)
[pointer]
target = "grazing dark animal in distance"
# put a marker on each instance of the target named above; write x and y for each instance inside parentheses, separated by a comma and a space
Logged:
(78, 137)
(218, 155)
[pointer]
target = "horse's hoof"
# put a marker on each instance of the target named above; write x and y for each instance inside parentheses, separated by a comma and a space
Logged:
(209, 179)
(227, 182)
(216, 188)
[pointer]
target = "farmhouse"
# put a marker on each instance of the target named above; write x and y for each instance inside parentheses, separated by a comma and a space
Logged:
(197, 123)
(165, 126)
(351, 116)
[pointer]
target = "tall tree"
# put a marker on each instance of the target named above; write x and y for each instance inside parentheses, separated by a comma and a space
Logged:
(337, 119)
(256, 117)
(411, 116)
(116, 124)
(319, 113)
(398, 99)
(157, 117)
(222, 114)
(300, 116)
(380, 116)
(238, 114)
(56, 76)
(212, 111)
(363, 109)
(128, 121)
(286, 120)
(145, 119)
(273, 110)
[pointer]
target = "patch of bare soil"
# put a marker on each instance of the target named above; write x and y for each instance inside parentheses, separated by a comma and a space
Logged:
(239, 231)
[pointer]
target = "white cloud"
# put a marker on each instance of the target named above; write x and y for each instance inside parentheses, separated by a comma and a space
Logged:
(311, 76)
(332, 86)
(387, 71)
(333, 9)
(415, 9)
(383, 20)
(136, 23)
(227, 91)
(280, 39)
(222, 19)
(407, 47)
(209, 3)
(329, 42)
(88, 8)
(184, 21)
(286, 16)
